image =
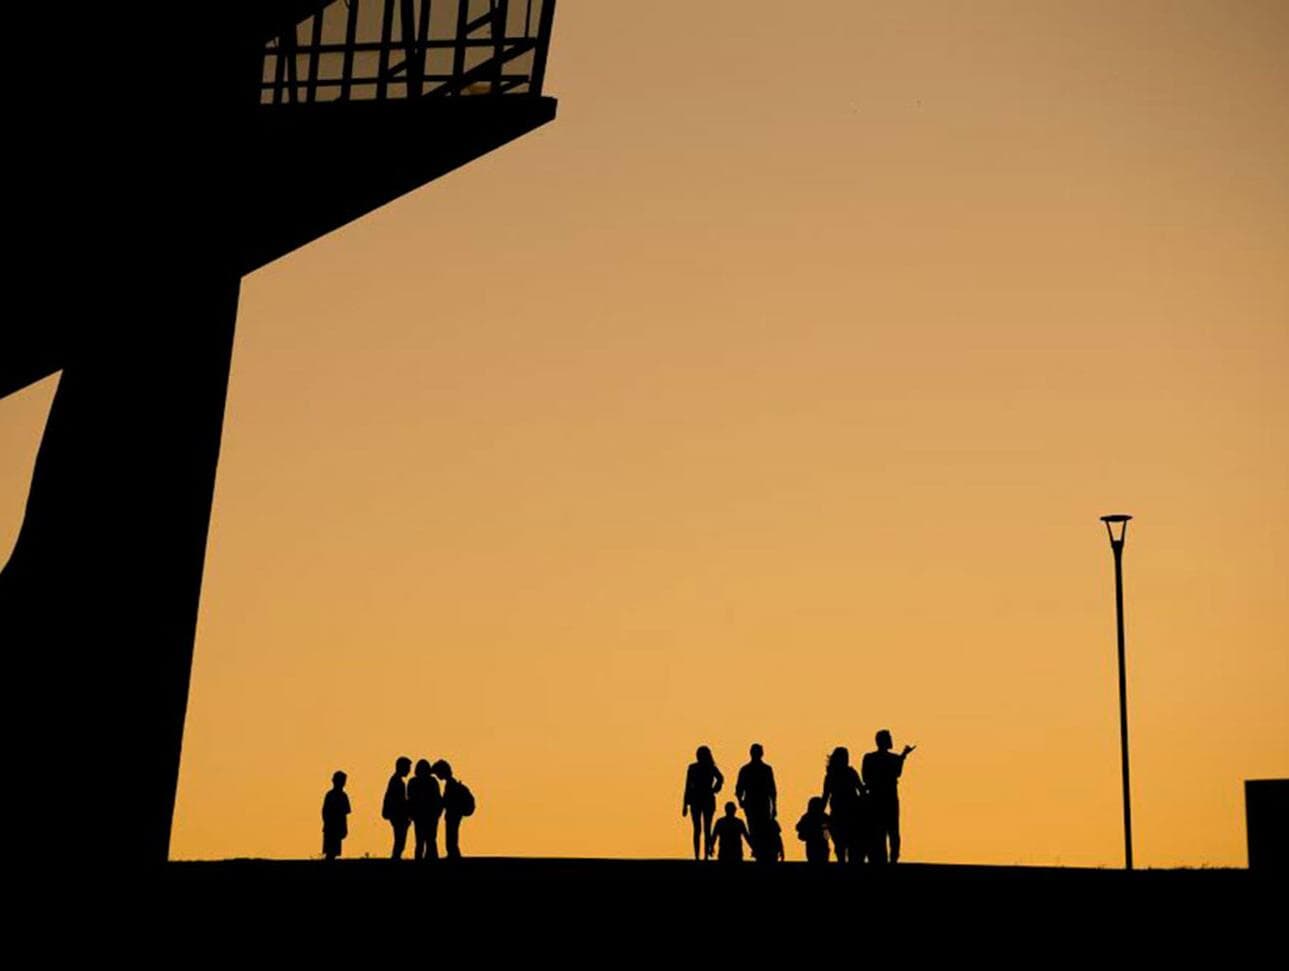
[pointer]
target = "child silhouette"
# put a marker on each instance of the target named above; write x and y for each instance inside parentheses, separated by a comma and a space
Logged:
(812, 829)
(730, 833)
(335, 816)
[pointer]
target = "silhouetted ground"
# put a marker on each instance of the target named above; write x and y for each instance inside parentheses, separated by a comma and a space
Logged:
(618, 913)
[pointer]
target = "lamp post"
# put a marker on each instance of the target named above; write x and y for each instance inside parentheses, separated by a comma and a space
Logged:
(1116, 546)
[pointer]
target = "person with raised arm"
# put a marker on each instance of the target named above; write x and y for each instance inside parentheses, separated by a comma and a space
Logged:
(882, 771)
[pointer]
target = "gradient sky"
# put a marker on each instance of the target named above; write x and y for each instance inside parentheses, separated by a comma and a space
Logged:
(772, 394)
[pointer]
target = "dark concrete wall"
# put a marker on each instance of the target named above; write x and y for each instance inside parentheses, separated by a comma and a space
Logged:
(1266, 807)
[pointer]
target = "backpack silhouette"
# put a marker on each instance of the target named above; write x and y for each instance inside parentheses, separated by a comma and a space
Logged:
(464, 799)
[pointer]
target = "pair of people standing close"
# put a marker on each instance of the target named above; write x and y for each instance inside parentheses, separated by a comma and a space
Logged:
(418, 804)
(864, 816)
(756, 793)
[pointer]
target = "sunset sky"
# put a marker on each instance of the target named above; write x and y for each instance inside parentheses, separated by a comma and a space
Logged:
(772, 393)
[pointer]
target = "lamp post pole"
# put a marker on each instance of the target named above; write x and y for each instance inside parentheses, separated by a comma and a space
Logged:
(1116, 546)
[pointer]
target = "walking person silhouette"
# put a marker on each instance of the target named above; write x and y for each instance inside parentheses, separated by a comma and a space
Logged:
(335, 816)
(702, 781)
(424, 805)
(882, 771)
(844, 792)
(394, 805)
(757, 795)
(730, 832)
(458, 802)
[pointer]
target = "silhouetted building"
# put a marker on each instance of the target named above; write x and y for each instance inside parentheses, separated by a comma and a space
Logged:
(1266, 811)
(175, 150)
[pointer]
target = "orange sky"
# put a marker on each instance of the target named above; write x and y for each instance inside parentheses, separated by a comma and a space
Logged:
(772, 394)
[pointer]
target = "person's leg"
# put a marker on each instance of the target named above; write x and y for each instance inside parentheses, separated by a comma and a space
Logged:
(432, 840)
(418, 845)
(877, 853)
(400, 839)
(758, 826)
(696, 817)
(895, 833)
(709, 819)
(452, 836)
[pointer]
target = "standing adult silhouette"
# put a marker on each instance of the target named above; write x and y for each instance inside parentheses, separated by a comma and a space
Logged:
(702, 781)
(844, 792)
(424, 805)
(758, 797)
(882, 771)
(458, 802)
(394, 805)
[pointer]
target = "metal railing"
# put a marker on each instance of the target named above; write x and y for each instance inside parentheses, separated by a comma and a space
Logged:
(393, 49)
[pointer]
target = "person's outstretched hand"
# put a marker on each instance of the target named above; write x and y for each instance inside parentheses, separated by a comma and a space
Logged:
(909, 748)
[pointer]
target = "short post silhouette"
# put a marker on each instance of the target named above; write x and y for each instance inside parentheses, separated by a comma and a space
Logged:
(335, 816)
(425, 805)
(758, 797)
(843, 793)
(394, 806)
(730, 833)
(702, 781)
(458, 802)
(882, 771)
(812, 829)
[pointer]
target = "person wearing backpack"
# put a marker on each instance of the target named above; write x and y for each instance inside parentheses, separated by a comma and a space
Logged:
(458, 802)
(812, 829)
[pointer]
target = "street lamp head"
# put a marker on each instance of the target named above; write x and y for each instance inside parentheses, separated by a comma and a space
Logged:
(1116, 519)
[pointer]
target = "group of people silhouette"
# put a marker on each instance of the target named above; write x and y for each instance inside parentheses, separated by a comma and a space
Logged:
(859, 814)
(417, 804)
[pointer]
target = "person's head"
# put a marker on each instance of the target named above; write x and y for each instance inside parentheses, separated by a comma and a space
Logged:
(756, 751)
(423, 768)
(442, 769)
(730, 809)
(839, 759)
(815, 806)
(402, 766)
(338, 779)
(704, 755)
(884, 740)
